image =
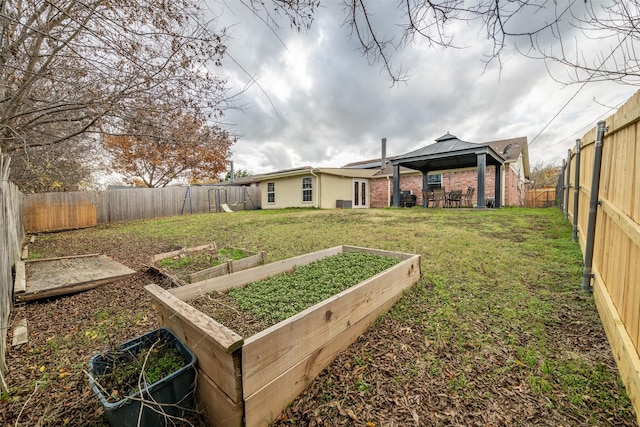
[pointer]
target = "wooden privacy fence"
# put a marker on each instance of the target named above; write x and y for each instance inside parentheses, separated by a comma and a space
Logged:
(11, 237)
(602, 200)
(63, 211)
(540, 198)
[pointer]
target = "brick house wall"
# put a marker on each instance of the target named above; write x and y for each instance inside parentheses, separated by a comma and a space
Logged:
(513, 194)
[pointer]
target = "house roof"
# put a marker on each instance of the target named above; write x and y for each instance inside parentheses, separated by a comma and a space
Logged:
(511, 149)
(308, 170)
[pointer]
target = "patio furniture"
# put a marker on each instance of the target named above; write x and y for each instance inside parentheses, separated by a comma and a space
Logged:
(436, 196)
(468, 197)
(407, 200)
(454, 198)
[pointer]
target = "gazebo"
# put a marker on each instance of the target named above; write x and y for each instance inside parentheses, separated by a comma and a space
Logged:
(448, 152)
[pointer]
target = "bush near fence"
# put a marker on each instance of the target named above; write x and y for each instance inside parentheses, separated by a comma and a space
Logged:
(64, 211)
(615, 270)
(11, 238)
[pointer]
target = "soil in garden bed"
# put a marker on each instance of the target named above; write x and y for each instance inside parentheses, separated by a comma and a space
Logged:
(259, 305)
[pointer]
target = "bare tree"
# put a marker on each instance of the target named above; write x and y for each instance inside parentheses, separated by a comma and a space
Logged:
(542, 29)
(72, 67)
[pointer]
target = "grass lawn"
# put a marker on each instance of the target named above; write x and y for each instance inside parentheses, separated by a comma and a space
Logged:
(497, 331)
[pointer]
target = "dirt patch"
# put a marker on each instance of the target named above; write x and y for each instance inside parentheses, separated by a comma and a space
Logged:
(225, 310)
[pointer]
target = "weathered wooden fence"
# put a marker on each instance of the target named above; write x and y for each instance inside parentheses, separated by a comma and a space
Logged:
(540, 198)
(11, 237)
(63, 211)
(602, 200)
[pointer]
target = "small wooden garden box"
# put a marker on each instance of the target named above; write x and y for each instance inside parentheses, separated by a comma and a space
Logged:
(253, 259)
(253, 379)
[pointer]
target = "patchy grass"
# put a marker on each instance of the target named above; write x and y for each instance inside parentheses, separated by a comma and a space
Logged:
(497, 331)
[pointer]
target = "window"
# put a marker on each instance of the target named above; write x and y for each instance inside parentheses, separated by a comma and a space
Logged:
(307, 189)
(435, 181)
(271, 192)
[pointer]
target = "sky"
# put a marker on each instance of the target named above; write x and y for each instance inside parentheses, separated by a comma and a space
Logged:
(312, 99)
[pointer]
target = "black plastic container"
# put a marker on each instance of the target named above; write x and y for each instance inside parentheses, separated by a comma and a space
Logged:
(173, 395)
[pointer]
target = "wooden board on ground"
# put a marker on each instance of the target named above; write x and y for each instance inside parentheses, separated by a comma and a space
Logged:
(60, 276)
(20, 333)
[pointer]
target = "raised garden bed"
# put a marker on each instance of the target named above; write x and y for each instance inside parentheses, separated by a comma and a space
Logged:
(190, 265)
(252, 379)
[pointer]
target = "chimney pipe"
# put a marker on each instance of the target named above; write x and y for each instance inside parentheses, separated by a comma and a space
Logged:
(383, 159)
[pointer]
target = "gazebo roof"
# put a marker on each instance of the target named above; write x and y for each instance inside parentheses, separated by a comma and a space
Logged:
(448, 152)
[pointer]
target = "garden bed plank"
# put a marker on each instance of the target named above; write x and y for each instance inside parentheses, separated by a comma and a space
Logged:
(221, 410)
(213, 344)
(231, 266)
(216, 271)
(268, 354)
(183, 251)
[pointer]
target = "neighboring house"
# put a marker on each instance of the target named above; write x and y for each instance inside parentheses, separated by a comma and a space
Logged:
(515, 174)
(324, 188)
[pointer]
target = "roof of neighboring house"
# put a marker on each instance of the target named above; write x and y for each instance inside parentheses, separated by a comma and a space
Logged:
(511, 149)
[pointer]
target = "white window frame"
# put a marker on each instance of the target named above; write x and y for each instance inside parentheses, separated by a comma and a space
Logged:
(307, 189)
(271, 192)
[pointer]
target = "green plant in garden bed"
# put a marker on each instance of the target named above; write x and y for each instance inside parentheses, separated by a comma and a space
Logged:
(122, 377)
(280, 297)
(197, 261)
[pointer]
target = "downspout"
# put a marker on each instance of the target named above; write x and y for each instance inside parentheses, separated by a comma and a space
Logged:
(319, 192)
(593, 208)
(388, 191)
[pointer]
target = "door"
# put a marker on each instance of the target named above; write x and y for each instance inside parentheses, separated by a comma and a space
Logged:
(360, 198)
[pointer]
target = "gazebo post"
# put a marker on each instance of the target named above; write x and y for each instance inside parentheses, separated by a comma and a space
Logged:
(396, 186)
(498, 201)
(425, 187)
(482, 169)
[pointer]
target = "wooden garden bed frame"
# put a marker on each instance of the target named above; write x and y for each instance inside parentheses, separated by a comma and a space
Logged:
(252, 260)
(252, 380)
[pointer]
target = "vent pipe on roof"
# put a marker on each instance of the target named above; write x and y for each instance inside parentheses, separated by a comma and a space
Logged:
(383, 159)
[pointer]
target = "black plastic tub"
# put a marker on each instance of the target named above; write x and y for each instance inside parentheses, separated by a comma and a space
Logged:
(171, 396)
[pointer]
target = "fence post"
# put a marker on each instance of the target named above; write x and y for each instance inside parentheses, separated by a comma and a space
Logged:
(566, 187)
(576, 191)
(560, 188)
(593, 208)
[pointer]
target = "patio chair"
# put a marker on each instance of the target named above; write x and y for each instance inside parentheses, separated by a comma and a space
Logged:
(468, 197)
(438, 195)
(454, 199)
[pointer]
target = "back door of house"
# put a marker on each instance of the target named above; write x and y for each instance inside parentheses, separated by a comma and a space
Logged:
(360, 197)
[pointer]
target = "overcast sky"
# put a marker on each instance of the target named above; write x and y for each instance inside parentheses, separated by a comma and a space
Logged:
(316, 101)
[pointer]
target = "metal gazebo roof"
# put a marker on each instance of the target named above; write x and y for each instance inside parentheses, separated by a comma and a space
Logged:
(448, 152)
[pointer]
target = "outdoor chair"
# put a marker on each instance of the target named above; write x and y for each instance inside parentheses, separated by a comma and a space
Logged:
(454, 199)
(437, 196)
(468, 197)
